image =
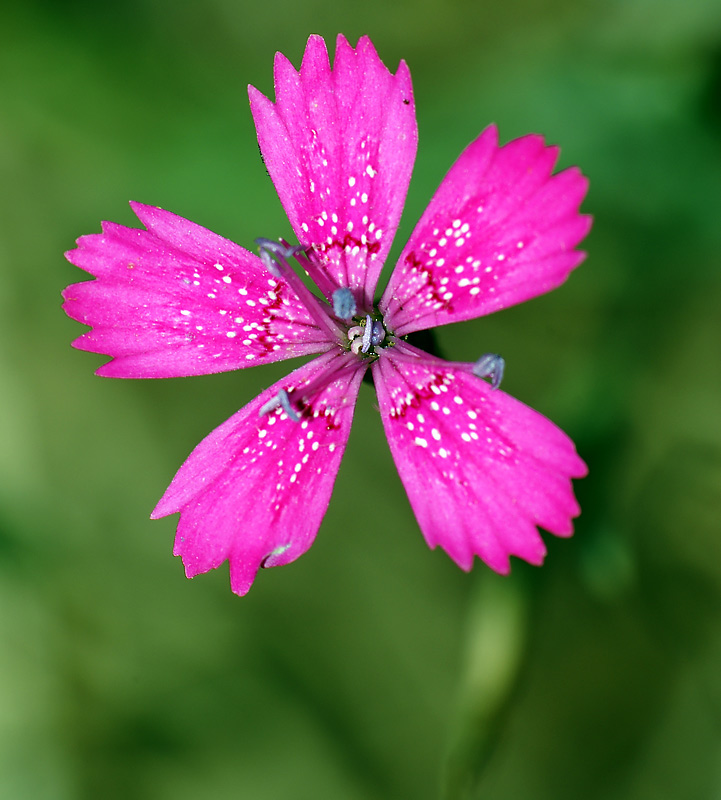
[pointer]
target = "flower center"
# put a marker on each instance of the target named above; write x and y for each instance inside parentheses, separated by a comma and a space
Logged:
(363, 334)
(367, 335)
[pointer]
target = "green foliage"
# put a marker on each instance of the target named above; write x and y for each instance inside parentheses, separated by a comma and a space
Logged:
(371, 668)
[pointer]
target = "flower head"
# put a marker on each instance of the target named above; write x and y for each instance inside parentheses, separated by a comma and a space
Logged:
(481, 469)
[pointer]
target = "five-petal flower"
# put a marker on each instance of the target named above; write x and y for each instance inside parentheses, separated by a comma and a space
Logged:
(481, 469)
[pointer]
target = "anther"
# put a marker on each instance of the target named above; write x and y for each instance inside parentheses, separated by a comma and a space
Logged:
(378, 333)
(344, 305)
(275, 255)
(281, 400)
(270, 559)
(367, 334)
(490, 365)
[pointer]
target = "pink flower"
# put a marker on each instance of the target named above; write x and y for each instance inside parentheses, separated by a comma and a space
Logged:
(481, 469)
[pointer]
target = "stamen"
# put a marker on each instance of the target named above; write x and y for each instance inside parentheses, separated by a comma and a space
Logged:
(378, 334)
(282, 252)
(344, 305)
(269, 560)
(283, 400)
(490, 365)
(275, 256)
(363, 337)
(367, 334)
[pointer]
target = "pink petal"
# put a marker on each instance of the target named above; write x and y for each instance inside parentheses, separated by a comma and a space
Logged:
(481, 469)
(255, 490)
(340, 145)
(498, 231)
(178, 300)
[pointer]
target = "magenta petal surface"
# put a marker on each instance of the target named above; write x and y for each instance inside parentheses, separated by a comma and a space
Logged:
(499, 230)
(177, 300)
(255, 490)
(339, 145)
(481, 469)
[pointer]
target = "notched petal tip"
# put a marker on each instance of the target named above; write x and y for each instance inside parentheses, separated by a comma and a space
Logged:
(261, 482)
(315, 58)
(339, 145)
(142, 208)
(70, 255)
(482, 471)
(501, 228)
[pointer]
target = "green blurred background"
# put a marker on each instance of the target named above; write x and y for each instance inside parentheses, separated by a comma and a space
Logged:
(372, 667)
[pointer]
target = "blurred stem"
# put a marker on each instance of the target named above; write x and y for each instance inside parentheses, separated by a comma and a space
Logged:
(494, 654)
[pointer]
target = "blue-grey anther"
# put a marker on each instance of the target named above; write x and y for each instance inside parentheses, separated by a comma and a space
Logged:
(378, 333)
(344, 306)
(367, 334)
(281, 400)
(490, 365)
(275, 255)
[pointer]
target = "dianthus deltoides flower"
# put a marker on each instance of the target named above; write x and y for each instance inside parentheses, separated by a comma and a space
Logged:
(481, 469)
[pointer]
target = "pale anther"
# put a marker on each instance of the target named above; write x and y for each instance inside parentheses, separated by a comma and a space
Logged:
(378, 334)
(367, 334)
(276, 255)
(344, 305)
(281, 400)
(490, 365)
(277, 551)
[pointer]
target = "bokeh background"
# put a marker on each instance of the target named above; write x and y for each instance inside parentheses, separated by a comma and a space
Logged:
(372, 667)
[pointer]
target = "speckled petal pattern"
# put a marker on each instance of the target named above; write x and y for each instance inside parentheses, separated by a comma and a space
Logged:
(481, 469)
(339, 145)
(255, 490)
(499, 230)
(177, 300)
